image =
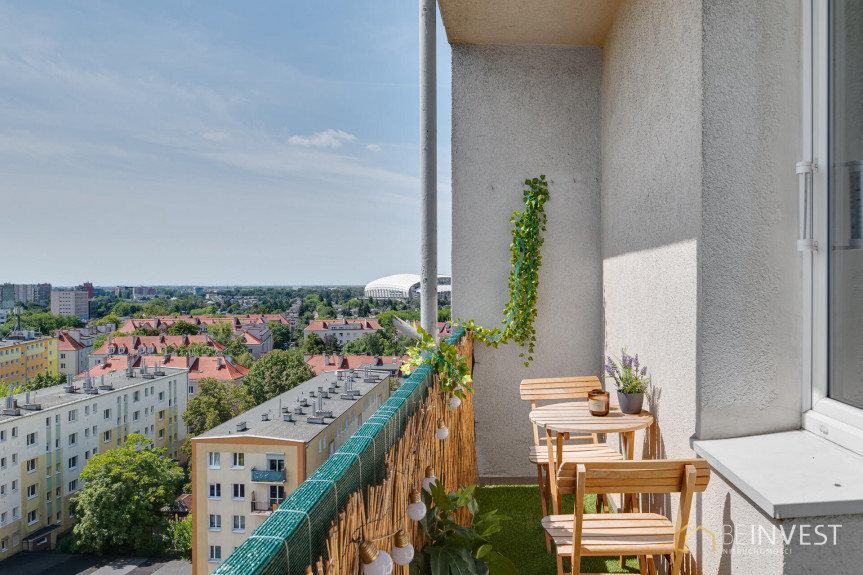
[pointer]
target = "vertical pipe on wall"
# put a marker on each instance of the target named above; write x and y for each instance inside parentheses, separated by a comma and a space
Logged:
(428, 167)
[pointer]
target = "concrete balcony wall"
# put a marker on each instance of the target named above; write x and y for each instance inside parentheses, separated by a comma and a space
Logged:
(518, 112)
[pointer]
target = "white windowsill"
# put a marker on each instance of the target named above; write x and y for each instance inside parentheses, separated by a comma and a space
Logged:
(789, 474)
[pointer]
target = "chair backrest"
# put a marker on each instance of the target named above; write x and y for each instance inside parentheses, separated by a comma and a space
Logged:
(650, 476)
(534, 390)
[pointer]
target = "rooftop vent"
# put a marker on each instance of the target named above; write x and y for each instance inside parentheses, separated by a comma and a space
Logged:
(288, 418)
(314, 419)
(299, 411)
(325, 395)
(69, 388)
(265, 417)
(324, 413)
(241, 426)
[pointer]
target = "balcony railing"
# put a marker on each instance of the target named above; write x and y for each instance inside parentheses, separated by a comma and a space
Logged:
(266, 506)
(310, 509)
(268, 476)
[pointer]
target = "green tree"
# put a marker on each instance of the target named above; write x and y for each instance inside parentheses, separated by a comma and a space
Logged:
(281, 335)
(368, 344)
(216, 402)
(245, 359)
(275, 373)
(183, 328)
(110, 318)
(44, 379)
(145, 331)
(313, 344)
(117, 507)
(180, 537)
(196, 348)
(221, 332)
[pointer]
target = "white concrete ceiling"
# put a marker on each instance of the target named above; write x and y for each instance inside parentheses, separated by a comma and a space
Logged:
(568, 22)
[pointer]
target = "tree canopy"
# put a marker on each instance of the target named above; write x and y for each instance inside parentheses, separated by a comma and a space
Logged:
(281, 335)
(123, 489)
(44, 379)
(183, 328)
(216, 402)
(275, 373)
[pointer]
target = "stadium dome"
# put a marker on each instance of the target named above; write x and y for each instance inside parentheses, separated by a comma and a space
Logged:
(402, 286)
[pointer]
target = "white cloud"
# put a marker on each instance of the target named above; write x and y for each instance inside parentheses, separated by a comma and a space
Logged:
(328, 139)
(215, 136)
(373, 148)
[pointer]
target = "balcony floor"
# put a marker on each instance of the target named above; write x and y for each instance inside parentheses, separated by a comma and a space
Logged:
(522, 538)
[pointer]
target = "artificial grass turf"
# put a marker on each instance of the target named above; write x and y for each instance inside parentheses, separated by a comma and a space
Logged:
(523, 539)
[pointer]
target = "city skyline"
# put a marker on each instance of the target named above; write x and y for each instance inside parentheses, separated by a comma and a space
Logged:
(257, 145)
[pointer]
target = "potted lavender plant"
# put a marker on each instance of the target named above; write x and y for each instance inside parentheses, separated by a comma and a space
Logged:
(631, 381)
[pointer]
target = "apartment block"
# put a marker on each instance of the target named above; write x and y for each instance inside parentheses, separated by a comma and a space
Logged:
(148, 345)
(199, 367)
(36, 293)
(244, 468)
(323, 363)
(70, 302)
(254, 329)
(25, 354)
(47, 437)
(75, 346)
(342, 330)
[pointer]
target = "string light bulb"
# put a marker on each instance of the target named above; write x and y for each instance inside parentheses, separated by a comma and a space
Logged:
(416, 507)
(403, 551)
(375, 562)
(442, 431)
(429, 479)
(454, 401)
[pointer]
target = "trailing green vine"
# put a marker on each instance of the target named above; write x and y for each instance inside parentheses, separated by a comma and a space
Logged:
(520, 310)
(453, 369)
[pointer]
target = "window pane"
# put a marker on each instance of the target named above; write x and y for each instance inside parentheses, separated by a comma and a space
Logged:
(846, 210)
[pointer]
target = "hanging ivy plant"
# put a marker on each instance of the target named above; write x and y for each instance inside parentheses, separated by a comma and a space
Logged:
(520, 311)
(445, 360)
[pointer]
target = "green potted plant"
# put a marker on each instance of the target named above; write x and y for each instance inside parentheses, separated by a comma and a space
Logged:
(631, 381)
(452, 549)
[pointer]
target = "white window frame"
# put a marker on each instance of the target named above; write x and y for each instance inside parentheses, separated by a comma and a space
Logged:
(826, 417)
(239, 524)
(214, 459)
(215, 557)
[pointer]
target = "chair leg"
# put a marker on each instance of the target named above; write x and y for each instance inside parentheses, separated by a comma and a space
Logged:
(651, 566)
(642, 565)
(560, 565)
(676, 563)
(543, 498)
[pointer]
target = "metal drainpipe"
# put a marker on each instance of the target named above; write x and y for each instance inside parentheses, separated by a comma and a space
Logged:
(428, 167)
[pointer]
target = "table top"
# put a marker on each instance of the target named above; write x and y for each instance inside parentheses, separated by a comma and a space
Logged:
(574, 416)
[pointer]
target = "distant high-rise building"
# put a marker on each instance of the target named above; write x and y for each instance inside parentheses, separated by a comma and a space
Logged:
(70, 302)
(36, 293)
(87, 287)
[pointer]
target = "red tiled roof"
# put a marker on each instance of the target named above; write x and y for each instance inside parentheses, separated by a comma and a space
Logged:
(326, 324)
(443, 327)
(136, 342)
(199, 367)
(337, 362)
(68, 343)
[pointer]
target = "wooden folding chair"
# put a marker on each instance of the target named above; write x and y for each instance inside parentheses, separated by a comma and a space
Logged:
(640, 534)
(585, 448)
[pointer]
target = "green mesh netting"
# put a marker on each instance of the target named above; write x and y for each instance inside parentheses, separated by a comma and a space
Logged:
(295, 534)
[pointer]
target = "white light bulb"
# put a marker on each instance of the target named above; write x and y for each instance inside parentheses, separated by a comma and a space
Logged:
(427, 483)
(417, 511)
(454, 401)
(441, 433)
(382, 565)
(403, 555)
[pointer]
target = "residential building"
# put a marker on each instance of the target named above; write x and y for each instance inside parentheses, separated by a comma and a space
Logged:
(25, 354)
(253, 329)
(4, 315)
(70, 302)
(75, 345)
(36, 293)
(404, 287)
(341, 330)
(323, 363)
(246, 466)
(199, 367)
(142, 292)
(87, 287)
(670, 133)
(148, 345)
(46, 438)
(444, 328)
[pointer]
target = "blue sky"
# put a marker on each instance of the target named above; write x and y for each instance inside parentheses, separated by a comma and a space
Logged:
(175, 142)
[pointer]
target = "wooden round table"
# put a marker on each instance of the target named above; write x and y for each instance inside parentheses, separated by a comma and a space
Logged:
(574, 417)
